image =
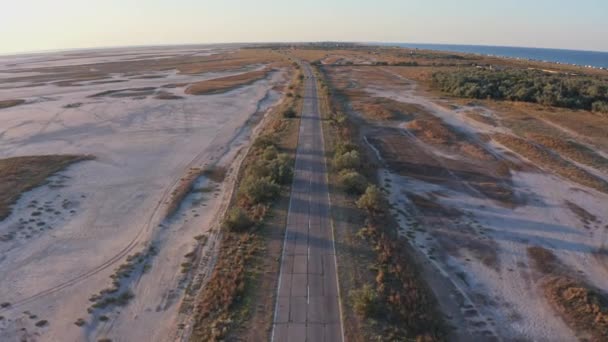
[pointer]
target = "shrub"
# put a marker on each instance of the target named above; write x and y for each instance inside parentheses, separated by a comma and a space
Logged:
(263, 141)
(600, 106)
(237, 220)
(344, 147)
(372, 200)
(42, 323)
(338, 118)
(365, 301)
(289, 113)
(352, 182)
(282, 169)
(259, 190)
(348, 160)
(270, 153)
(278, 169)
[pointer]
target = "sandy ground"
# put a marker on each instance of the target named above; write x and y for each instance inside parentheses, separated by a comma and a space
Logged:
(501, 301)
(97, 213)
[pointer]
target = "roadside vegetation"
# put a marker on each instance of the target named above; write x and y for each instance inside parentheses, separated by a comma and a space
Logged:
(537, 86)
(21, 174)
(238, 300)
(385, 298)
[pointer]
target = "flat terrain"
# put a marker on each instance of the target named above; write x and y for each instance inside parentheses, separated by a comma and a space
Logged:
(117, 166)
(307, 303)
(476, 185)
(104, 259)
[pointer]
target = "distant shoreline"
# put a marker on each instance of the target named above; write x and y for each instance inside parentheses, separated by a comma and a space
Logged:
(587, 59)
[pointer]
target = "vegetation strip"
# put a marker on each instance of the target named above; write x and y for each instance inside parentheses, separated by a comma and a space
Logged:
(226, 304)
(391, 300)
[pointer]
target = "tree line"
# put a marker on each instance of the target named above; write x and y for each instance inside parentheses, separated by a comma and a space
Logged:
(560, 90)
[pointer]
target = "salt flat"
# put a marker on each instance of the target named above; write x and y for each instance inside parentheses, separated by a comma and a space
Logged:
(97, 213)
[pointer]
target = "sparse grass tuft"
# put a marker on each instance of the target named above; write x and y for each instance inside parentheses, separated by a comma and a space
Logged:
(42, 323)
(10, 103)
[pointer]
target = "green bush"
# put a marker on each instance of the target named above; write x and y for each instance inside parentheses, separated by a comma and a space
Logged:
(278, 169)
(347, 160)
(372, 200)
(352, 182)
(270, 153)
(259, 190)
(237, 220)
(365, 301)
(282, 169)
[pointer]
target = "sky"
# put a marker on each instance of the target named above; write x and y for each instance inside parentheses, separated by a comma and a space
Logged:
(33, 25)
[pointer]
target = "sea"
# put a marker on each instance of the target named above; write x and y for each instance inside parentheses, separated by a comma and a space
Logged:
(594, 59)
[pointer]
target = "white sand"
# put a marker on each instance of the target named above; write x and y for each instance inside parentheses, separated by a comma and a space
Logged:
(115, 205)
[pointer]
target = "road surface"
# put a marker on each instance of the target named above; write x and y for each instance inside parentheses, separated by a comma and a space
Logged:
(307, 307)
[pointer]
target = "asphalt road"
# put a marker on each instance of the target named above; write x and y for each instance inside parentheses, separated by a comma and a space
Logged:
(307, 307)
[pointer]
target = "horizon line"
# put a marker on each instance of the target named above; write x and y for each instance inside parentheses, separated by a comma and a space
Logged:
(106, 47)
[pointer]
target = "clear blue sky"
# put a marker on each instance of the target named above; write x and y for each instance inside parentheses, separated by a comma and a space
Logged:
(28, 25)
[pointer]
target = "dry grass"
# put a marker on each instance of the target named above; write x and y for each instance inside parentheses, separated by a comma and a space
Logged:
(484, 119)
(215, 173)
(10, 103)
(583, 307)
(128, 92)
(21, 174)
(183, 188)
(431, 131)
(572, 150)
(224, 84)
(380, 108)
(547, 159)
